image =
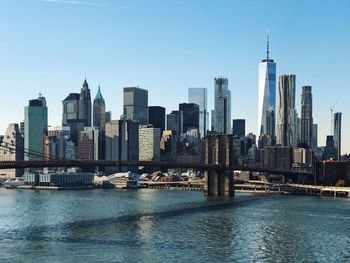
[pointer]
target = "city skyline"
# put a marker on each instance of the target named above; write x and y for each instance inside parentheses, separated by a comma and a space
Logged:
(299, 52)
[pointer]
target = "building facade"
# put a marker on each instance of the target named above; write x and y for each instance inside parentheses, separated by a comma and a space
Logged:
(91, 145)
(35, 129)
(199, 97)
(136, 105)
(306, 120)
(70, 116)
(122, 142)
(222, 106)
(189, 116)
(238, 127)
(156, 117)
(286, 133)
(11, 149)
(337, 133)
(149, 143)
(99, 111)
(85, 105)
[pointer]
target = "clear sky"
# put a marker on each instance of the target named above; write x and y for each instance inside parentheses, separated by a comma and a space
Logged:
(165, 46)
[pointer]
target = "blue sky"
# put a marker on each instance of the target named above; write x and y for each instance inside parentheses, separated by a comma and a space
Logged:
(167, 46)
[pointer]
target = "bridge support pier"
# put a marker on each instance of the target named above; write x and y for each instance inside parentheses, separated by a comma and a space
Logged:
(219, 183)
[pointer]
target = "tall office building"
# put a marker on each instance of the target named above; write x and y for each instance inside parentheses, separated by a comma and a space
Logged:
(70, 116)
(156, 117)
(136, 105)
(222, 106)
(189, 116)
(122, 142)
(85, 105)
(58, 143)
(149, 143)
(238, 127)
(99, 111)
(306, 120)
(11, 149)
(199, 97)
(337, 133)
(286, 113)
(91, 145)
(315, 135)
(271, 125)
(267, 89)
(35, 129)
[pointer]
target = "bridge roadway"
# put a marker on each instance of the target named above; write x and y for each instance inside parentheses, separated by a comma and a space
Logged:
(162, 164)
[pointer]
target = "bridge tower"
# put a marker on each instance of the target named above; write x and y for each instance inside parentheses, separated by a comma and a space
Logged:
(219, 150)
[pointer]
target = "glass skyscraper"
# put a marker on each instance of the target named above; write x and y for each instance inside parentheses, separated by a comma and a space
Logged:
(199, 97)
(306, 117)
(286, 114)
(136, 105)
(337, 133)
(267, 90)
(35, 128)
(222, 106)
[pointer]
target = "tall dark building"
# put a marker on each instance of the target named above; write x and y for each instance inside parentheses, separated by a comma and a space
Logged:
(189, 116)
(173, 121)
(136, 105)
(70, 116)
(271, 124)
(156, 117)
(306, 117)
(99, 111)
(238, 127)
(337, 133)
(85, 105)
(330, 151)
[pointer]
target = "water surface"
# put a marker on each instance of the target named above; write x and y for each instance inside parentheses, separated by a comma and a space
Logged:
(171, 226)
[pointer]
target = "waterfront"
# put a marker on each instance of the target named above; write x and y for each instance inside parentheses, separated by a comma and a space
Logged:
(150, 225)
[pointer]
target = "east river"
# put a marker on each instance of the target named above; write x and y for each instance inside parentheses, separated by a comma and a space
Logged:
(171, 226)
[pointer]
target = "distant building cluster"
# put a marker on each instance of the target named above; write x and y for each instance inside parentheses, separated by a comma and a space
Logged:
(284, 140)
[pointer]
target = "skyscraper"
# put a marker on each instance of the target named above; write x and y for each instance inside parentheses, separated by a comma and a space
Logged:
(149, 143)
(35, 128)
(70, 116)
(267, 89)
(222, 106)
(189, 113)
(99, 111)
(85, 105)
(306, 117)
(337, 133)
(199, 97)
(271, 125)
(136, 105)
(286, 113)
(156, 117)
(122, 142)
(11, 149)
(238, 127)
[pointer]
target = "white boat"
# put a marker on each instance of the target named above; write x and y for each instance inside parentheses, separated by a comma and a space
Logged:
(124, 180)
(13, 183)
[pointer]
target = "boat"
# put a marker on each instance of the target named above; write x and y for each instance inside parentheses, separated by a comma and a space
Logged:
(13, 183)
(126, 180)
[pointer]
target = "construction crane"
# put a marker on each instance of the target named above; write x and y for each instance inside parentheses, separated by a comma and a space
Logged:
(332, 109)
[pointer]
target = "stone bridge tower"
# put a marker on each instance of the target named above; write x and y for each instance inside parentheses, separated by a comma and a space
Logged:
(219, 150)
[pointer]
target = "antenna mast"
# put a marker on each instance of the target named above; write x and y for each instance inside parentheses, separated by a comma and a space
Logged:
(267, 46)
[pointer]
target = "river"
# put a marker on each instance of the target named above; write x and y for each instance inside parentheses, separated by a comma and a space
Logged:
(171, 226)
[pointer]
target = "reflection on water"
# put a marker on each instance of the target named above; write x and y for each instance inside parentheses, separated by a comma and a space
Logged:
(161, 226)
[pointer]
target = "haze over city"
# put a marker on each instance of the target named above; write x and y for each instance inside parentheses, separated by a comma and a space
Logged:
(165, 47)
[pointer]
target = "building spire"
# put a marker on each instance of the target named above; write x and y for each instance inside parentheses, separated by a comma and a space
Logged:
(267, 46)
